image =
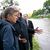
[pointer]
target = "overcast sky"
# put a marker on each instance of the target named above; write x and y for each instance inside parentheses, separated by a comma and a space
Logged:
(28, 6)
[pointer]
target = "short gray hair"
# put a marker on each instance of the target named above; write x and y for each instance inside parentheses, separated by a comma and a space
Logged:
(10, 11)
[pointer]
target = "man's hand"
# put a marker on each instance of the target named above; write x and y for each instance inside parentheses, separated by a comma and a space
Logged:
(22, 40)
(37, 30)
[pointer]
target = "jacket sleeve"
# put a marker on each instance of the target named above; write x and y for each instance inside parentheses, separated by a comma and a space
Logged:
(31, 28)
(8, 39)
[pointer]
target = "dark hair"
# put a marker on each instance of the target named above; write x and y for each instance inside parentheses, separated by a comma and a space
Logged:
(20, 14)
(9, 11)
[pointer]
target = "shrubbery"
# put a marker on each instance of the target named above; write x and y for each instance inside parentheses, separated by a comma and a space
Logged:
(35, 42)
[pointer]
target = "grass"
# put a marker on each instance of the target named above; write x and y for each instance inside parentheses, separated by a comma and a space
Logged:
(35, 44)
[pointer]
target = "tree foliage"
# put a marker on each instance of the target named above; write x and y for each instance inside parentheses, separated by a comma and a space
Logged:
(38, 12)
(9, 3)
(44, 11)
(47, 5)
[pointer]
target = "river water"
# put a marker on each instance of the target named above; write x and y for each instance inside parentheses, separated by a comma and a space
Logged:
(44, 37)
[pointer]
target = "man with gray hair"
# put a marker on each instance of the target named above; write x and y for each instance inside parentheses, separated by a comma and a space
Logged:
(10, 37)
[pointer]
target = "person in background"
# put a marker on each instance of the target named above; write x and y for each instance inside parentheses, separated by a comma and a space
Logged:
(21, 28)
(31, 30)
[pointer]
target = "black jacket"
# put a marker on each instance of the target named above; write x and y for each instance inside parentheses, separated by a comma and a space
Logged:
(30, 27)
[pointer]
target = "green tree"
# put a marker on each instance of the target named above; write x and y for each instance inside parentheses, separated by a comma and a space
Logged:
(6, 3)
(38, 12)
(47, 5)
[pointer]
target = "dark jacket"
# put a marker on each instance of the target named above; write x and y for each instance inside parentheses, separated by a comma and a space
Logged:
(21, 28)
(30, 27)
(24, 29)
(10, 41)
(30, 31)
